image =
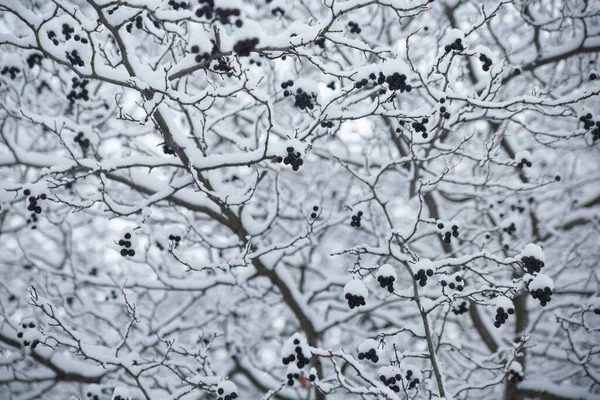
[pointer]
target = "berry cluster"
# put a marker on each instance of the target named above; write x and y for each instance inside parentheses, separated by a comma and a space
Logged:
(285, 85)
(52, 36)
(448, 234)
(222, 65)
(126, 244)
(386, 281)
(291, 376)
(368, 350)
(227, 391)
(356, 219)
(138, 24)
(421, 276)
(313, 215)
(321, 43)
(176, 6)
(304, 100)
(456, 45)
(220, 14)
(294, 351)
(420, 127)
(502, 316)
(531, 264)
(278, 10)
(34, 59)
(412, 379)
(515, 376)
(391, 377)
(487, 62)
(524, 162)
(356, 293)
(510, 229)
(445, 114)
(397, 81)
(12, 71)
(543, 295)
(67, 30)
(33, 201)
(195, 49)
(26, 338)
(113, 295)
(458, 284)
(168, 150)
(460, 308)
(588, 123)
(354, 28)
(293, 158)
(74, 58)
(94, 392)
(326, 124)
(83, 142)
(331, 85)
(83, 94)
(257, 62)
(245, 46)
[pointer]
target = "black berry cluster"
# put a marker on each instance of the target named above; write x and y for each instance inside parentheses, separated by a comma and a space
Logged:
(521, 209)
(331, 85)
(33, 218)
(391, 377)
(421, 276)
(176, 5)
(543, 295)
(33, 201)
(524, 162)
(285, 85)
(386, 281)
(74, 58)
(510, 229)
(456, 45)
(67, 31)
(221, 14)
(397, 81)
(12, 71)
(532, 265)
(176, 239)
(83, 141)
(291, 376)
(326, 124)
(420, 127)
(356, 219)
(354, 28)
(126, 244)
(445, 114)
(303, 100)
(502, 316)
(245, 46)
(93, 396)
(448, 234)
(22, 333)
(168, 150)
(113, 295)
(227, 391)
(458, 284)
(195, 49)
(278, 11)
(487, 62)
(257, 62)
(460, 308)
(411, 380)
(52, 36)
(368, 351)
(355, 300)
(515, 376)
(83, 92)
(588, 123)
(222, 65)
(293, 158)
(34, 59)
(321, 43)
(297, 355)
(138, 23)
(314, 215)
